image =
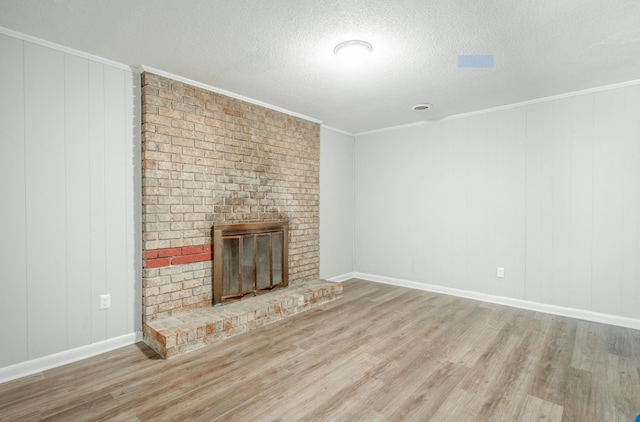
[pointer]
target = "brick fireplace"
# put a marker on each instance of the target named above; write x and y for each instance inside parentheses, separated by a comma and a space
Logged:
(210, 159)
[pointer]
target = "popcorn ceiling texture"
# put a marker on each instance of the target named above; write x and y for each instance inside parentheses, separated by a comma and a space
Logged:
(206, 159)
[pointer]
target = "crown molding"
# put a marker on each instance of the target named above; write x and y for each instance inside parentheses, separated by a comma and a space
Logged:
(145, 68)
(63, 49)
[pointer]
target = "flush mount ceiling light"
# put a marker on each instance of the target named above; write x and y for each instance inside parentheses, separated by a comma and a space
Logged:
(421, 106)
(353, 49)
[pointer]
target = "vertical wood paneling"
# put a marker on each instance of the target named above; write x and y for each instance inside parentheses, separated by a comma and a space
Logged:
(405, 251)
(493, 221)
(13, 281)
(454, 201)
(411, 169)
(45, 200)
(609, 190)
(54, 159)
(336, 208)
(116, 206)
(631, 205)
(581, 224)
(561, 222)
(480, 260)
(78, 188)
(133, 163)
(509, 208)
(372, 209)
(364, 185)
(97, 198)
(431, 227)
(547, 206)
(533, 212)
(550, 191)
(390, 245)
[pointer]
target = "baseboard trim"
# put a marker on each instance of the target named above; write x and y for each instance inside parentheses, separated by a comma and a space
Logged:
(341, 278)
(586, 315)
(34, 366)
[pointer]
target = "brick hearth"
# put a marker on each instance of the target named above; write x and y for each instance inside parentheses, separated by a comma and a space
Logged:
(189, 331)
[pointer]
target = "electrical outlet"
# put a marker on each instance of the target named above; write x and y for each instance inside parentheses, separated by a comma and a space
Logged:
(500, 272)
(105, 302)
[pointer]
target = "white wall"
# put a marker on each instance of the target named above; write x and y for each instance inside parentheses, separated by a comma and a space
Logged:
(68, 172)
(336, 203)
(549, 191)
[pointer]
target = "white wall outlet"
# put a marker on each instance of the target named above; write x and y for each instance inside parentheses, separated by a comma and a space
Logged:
(500, 272)
(105, 302)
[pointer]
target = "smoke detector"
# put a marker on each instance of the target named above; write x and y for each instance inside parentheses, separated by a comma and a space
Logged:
(421, 106)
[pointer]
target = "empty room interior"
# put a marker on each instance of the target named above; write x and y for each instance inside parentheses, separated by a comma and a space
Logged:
(320, 210)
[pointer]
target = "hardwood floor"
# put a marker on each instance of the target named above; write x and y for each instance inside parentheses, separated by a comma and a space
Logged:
(381, 353)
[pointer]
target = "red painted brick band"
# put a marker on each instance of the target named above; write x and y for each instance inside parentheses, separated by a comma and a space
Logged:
(155, 263)
(177, 260)
(177, 256)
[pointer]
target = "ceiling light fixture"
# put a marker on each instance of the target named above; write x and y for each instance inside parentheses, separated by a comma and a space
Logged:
(421, 106)
(353, 49)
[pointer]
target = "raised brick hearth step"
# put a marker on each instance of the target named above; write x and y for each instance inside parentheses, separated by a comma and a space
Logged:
(192, 330)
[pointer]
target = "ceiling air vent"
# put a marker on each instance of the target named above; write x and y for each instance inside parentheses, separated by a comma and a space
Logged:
(421, 106)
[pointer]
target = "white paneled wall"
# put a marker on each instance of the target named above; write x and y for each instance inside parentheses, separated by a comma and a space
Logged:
(44, 168)
(13, 246)
(67, 180)
(336, 205)
(549, 191)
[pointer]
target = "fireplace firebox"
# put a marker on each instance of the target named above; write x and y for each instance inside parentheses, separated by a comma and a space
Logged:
(249, 259)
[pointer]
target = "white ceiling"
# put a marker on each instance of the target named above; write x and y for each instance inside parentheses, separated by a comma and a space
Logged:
(281, 51)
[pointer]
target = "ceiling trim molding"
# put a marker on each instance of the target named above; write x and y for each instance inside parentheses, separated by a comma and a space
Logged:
(333, 129)
(509, 106)
(545, 99)
(145, 68)
(386, 129)
(63, 49)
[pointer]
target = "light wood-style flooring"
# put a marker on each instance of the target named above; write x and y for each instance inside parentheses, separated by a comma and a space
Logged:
(381, 353)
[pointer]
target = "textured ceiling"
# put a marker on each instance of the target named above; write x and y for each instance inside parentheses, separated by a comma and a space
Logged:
(281, 51)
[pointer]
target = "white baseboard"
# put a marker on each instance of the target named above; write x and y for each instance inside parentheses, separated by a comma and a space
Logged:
(341, 278)
(583, 314)
(34, 366)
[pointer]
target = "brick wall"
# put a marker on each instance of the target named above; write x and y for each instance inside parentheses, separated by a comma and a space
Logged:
(208, 158)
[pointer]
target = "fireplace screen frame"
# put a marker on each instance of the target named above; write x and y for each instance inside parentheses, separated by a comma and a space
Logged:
(223, 233)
